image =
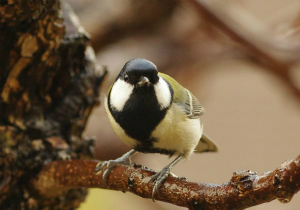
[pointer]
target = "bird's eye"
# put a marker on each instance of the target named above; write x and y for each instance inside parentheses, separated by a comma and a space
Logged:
(126, 77)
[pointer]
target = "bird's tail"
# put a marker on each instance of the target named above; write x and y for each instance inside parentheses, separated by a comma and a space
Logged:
(206, 144)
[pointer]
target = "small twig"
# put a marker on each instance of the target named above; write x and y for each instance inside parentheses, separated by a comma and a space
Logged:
(245, 29)
(245, 189)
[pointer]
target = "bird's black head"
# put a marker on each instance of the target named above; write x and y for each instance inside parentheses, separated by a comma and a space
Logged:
(139, 72)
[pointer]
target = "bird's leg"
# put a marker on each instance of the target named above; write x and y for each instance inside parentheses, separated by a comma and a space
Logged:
(125, 159)
(162, 175)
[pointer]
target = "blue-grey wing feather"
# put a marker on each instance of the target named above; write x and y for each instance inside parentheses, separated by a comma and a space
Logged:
(192, 106)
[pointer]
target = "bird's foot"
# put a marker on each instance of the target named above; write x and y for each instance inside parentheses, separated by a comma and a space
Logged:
(159, 178)
(110, 164)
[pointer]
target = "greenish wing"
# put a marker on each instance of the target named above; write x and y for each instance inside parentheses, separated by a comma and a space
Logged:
(185, 98)
(193, 108)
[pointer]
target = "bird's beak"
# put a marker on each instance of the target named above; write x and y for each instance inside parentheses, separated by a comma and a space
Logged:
(143, 81)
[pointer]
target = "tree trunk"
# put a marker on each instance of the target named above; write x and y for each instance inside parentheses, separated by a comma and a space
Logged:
(49, 84)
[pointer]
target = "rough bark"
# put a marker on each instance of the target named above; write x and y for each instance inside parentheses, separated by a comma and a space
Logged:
(245, 189)
(48, 84)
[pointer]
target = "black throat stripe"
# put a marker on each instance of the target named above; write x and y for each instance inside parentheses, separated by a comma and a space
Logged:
(140, 115)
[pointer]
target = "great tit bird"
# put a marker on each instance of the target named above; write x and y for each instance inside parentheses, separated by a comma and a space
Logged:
(152, 113)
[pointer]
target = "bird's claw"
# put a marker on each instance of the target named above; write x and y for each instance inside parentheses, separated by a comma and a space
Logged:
(159, 178)
(110, 164)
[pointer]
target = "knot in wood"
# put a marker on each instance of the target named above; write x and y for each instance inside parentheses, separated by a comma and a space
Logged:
(242, 175)
(242, 180)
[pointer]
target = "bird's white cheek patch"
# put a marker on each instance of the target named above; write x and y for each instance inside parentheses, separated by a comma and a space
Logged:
(120, 94)
(163, 93)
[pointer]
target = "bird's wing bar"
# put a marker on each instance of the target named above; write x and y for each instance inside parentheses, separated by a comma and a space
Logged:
(192, 106)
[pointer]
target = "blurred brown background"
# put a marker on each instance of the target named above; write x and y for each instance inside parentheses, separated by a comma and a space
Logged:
(250, 112)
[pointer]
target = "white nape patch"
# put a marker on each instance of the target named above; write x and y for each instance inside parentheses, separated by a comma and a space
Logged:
(163, 93)
(120, 94)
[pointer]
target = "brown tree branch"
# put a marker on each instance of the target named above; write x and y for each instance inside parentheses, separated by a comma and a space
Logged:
(245, 189)
(245, 29)
(133, 16)
(258, 40)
